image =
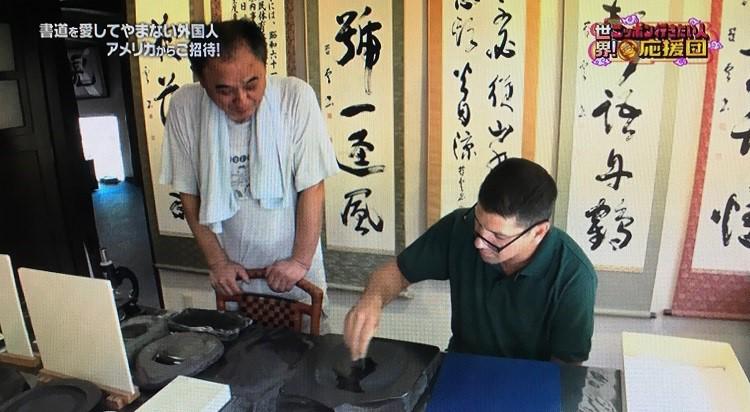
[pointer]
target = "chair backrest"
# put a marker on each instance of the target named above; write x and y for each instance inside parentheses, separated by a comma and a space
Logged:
(277, 312)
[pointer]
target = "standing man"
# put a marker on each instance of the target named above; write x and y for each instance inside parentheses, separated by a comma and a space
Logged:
(519, 287)
(248, 154)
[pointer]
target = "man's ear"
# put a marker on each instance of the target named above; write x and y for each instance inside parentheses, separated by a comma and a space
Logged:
(541, 230)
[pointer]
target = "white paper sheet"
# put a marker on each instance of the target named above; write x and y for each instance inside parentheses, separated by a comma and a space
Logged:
(655, 385)
(186, 394)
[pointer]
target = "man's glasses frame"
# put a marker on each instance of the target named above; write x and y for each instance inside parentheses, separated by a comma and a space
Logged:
(495, 248)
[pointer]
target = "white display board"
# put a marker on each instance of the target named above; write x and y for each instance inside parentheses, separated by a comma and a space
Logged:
(11, 316)
(77, 327)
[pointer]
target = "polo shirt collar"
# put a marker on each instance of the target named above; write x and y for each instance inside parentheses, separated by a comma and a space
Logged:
(539, 262)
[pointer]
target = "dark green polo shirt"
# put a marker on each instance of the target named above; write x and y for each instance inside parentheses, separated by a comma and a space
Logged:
(546, 310)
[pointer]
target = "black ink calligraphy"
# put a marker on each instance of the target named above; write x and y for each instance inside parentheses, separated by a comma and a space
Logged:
(461, 173)
(360, 147)
(743, 136)
(344, 35)
(357, 208)
(626, 111)
(728, 70)
(368, 46)
(716, 216)
(169, 88)
(623, 222)
(597, 230)
(496, 159)
(499, 50)
(507, 85)
(613, 10)
(616, 172)
(463, 110)
(732, 33)
(629, 70)
(459, 27)
(500, 133)
(160, 39)
(328, 74)
(724, 105)
(356, 109)
(466, 4)
(466, 145)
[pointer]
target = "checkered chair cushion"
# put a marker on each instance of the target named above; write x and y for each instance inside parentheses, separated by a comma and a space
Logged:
(277, 312)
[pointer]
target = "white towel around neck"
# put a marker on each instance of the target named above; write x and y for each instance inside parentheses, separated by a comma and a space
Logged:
(268, 156)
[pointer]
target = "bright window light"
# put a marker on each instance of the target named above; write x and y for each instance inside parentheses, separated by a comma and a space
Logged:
(101, 142)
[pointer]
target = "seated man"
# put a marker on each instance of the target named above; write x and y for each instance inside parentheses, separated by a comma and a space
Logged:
(519, 287)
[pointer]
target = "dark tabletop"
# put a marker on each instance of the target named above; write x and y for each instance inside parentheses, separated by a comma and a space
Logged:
(260, 361)
(582, 388)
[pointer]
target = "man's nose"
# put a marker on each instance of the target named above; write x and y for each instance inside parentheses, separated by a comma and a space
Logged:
(242, 98)
(479, 243)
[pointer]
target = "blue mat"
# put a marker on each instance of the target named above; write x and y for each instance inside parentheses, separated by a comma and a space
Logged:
(484, 383)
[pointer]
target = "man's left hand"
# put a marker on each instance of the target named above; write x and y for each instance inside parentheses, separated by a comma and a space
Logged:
(284, 274)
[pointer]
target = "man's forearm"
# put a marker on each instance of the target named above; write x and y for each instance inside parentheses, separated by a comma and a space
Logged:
(385, 284)
(309, 220)
(207, 240)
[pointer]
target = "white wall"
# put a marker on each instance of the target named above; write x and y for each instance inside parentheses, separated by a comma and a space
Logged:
(426, 318)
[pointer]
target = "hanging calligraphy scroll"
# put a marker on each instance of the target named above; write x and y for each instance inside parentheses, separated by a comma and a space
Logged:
(714, 278)
(270, 16)
(615, 130)
(159, 78)
(482, 108)
(356, 91)
(615, 148)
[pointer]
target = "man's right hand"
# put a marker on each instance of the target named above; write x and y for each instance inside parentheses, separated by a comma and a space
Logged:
(224, 277)
(360, 325)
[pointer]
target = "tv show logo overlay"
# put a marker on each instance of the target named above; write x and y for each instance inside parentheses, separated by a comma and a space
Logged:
(165, 38)
(629, 40)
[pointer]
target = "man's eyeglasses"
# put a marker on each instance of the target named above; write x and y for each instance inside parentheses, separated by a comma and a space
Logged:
(495, 248)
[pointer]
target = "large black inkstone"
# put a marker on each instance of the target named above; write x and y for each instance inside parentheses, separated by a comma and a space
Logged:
(224, 325)
(139, 331)
(391, 377)
(256, 366)
(61, 395)
(179, 354)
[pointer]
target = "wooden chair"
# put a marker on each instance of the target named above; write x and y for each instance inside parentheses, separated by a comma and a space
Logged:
(276, 312)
